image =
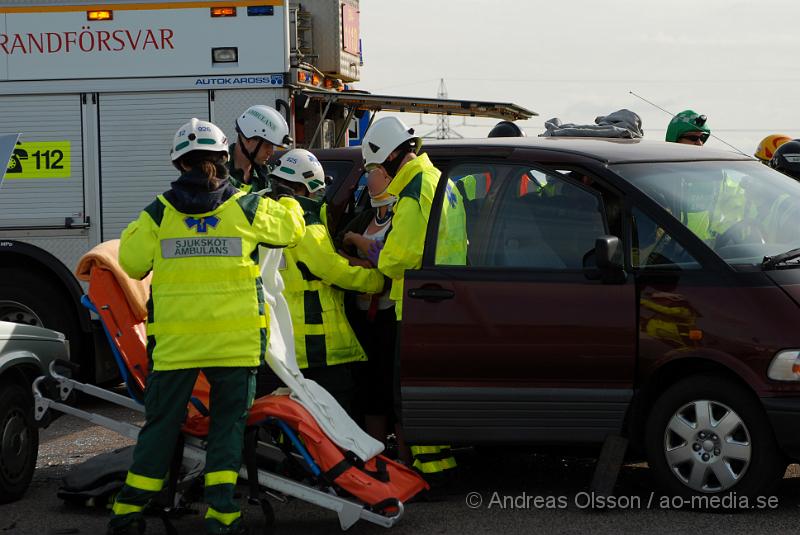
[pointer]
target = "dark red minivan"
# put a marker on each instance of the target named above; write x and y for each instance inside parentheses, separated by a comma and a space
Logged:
(613, 287)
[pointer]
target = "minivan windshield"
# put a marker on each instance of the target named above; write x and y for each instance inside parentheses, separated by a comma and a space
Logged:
(743, 210)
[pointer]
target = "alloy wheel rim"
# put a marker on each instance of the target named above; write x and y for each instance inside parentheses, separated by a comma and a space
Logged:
(707, 446)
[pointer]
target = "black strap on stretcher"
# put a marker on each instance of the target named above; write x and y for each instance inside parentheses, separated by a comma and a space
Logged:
(351, 460)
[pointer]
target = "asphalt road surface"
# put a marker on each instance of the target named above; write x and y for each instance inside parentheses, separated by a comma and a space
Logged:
(496, 491)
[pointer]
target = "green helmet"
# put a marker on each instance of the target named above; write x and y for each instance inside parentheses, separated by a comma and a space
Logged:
(685, 122)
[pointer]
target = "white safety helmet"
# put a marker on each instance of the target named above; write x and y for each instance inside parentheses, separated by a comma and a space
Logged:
(198, 135)
(383, 137)
(266, 123)
(299, 165)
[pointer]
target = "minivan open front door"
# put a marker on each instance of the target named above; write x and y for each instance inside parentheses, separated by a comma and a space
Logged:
(519, 345)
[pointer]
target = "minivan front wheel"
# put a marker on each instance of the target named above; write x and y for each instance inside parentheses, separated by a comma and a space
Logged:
(706, 435)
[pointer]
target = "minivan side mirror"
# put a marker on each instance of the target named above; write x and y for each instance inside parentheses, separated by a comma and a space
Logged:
(608, 251)
(607, 258)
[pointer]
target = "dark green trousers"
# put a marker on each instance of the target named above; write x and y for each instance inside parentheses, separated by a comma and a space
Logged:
(165, 399)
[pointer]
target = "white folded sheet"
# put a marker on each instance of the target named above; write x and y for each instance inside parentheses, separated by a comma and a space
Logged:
(330, 416)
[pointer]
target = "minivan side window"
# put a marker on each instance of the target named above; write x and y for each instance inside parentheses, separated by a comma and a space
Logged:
(652, 247)
(522, 218)
(337, 170)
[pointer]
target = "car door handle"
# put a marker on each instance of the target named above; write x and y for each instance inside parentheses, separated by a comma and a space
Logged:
(433, 294)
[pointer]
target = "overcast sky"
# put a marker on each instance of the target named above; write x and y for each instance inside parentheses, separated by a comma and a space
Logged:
(735, 61)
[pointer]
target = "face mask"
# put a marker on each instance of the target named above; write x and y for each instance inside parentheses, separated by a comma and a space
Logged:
(318, 195)
(393, 166)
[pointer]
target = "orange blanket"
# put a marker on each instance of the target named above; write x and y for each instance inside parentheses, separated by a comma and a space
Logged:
(106, 255)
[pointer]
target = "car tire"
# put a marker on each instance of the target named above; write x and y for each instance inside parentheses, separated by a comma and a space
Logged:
(19, 441)
(50, 305)
(732, 449)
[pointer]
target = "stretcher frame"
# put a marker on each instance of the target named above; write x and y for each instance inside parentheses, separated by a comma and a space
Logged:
(348, 511)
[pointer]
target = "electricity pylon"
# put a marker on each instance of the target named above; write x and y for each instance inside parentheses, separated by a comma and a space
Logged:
(443, 130)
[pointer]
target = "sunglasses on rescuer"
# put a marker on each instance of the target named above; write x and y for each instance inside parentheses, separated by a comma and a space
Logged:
(696, 138)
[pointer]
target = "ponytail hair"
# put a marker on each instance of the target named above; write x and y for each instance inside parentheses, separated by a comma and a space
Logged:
(208, 164)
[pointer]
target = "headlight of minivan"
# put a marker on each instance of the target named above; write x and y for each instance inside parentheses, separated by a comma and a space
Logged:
(785, 366)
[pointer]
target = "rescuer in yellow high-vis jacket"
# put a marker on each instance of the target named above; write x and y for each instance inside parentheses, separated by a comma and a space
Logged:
(206, 313)
(392, 145)
(315, 276)
(414, 186)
